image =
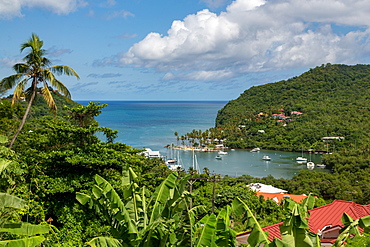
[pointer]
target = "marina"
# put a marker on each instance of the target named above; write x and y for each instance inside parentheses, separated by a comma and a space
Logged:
(239, 162)
(148, 124)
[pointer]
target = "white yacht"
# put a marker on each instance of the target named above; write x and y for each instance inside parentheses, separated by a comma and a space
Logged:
(301, 159)
(310, 165)
(266, 158)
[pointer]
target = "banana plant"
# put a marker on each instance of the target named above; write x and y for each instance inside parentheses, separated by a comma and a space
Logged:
(294, 230)
(137, 221)
(351, 228)
(164, 219)
(29, 235)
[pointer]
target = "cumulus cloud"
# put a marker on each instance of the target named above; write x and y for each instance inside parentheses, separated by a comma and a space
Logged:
(13, 8)
(254, 36)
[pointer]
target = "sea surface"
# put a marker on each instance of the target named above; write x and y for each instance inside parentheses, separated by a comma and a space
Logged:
(152, 124)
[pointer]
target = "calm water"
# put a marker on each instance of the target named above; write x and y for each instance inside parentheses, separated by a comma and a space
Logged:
(152, 124)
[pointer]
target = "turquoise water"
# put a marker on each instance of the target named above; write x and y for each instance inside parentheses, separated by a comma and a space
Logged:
(152, 124)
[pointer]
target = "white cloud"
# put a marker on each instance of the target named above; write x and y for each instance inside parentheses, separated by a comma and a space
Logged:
(13, 8)
(255, 35)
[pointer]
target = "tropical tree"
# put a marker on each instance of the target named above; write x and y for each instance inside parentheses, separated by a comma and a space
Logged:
(164, 219)
(14, 232)
(36, 68)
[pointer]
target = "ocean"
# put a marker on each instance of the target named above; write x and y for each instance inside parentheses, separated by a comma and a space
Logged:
(152, 124)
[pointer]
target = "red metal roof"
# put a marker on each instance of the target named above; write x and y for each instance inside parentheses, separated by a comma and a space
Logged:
(329, 214)
(332, 213)
(273, 231)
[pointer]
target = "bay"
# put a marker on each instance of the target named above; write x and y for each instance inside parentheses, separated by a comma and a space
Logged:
(152, 124)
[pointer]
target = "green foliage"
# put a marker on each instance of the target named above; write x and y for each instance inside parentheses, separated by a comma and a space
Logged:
(333, 99)
(165, 220)
(17, 233)
(60, 158)
(35, 69)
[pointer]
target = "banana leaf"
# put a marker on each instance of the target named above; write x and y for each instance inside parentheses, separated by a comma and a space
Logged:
(104, 242)
(9, 201)
(24, 242)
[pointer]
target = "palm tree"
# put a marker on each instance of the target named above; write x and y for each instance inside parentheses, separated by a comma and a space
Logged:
(35, 69)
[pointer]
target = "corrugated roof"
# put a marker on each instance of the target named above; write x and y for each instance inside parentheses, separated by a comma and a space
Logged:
(329, 214)
(281, 196)
(273, 231)
(332, 213)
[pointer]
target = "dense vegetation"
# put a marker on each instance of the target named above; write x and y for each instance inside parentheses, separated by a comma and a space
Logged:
(334, 102)
(62, 185)
(327, 101)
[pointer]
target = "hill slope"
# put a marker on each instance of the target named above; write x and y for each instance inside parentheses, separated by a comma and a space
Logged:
(334, 100)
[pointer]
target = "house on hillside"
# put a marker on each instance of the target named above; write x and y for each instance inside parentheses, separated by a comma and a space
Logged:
(297, 113)
(278, 197)
(325, 220)
(332, 138)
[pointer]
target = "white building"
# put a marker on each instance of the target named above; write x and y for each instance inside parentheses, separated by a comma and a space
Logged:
(150, 153)
(258, 187)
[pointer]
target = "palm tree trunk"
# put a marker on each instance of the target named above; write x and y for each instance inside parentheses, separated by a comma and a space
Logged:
(25, 115)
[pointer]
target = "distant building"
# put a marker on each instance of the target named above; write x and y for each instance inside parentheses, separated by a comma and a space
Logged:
(150, 153)
(258, 187)
(296, 113)
(332, 138)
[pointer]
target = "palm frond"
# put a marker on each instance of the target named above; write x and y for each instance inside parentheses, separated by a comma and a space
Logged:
(48, 98)
(10, 81)
(56, 83)
(36, 56)
(21, 68)
(19, 90)
(63, 70)
(34, 43)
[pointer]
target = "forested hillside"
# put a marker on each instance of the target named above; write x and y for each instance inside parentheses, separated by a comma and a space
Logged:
(78, 189)
(330, 100)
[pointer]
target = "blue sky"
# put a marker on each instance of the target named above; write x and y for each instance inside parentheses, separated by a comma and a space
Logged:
(184, 49)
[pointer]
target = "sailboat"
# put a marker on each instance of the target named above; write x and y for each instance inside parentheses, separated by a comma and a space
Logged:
(310, 165)
(301, 159)
(195, 163)
(174, 164)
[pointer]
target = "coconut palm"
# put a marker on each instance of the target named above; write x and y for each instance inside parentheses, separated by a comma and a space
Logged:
(35, 69)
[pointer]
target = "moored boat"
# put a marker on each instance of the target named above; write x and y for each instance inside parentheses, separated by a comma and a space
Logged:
(255, 150)
(222, 153)
(301, 159)
(310, 165)
(218, 157)
(266, 158)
